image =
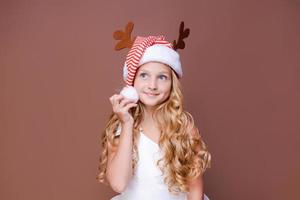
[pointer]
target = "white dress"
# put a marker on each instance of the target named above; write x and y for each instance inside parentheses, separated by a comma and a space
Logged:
(147, 182)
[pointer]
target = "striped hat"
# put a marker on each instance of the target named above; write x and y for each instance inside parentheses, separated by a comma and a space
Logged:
(150, 49)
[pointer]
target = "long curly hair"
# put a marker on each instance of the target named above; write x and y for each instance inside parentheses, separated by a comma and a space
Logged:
(185, 155)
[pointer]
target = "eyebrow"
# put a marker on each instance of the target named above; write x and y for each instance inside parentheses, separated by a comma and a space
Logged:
(161, 72)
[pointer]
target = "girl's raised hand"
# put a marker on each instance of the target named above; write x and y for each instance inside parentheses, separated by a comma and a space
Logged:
(121, 106)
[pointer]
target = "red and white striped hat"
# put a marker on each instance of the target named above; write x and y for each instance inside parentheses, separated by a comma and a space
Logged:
(150, 49)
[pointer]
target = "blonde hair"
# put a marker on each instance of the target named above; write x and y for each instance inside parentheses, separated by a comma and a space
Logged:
(185, 154)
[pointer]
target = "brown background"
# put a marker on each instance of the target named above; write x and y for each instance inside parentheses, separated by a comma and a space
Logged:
(241, 83)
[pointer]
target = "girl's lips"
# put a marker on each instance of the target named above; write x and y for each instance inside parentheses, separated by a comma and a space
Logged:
(150, 94)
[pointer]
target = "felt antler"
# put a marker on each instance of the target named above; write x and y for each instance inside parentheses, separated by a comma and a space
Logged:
(125, 37)
(183, 33)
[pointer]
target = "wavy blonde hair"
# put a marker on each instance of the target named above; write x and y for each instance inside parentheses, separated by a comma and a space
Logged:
(185, 154)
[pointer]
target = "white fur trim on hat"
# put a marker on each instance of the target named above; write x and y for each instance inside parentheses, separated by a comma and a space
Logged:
(159, 53)
(150, 49)
(163, 54)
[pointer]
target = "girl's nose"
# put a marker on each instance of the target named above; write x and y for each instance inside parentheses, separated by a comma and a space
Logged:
(152, 84)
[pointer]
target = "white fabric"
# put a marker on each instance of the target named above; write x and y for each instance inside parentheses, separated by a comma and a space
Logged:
(163, 54)
(130, 92)
(147, 183)
(159, 53)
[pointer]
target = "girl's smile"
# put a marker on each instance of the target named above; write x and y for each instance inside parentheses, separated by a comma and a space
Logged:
(151, 94)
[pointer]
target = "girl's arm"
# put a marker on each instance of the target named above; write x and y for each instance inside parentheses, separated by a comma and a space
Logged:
(119, 164)
(196, 185)
(196, 189)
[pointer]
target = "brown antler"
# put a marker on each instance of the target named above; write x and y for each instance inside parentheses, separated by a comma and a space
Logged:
(125, 37)
(183, 33)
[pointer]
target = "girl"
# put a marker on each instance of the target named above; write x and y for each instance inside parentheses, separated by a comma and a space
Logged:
(152, 148)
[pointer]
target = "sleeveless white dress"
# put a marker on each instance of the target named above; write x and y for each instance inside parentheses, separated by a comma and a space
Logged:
(147, 182)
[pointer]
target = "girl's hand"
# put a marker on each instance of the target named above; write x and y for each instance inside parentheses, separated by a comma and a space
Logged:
(121, 106)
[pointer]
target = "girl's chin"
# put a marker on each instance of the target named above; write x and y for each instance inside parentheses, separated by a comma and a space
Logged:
(149, 102)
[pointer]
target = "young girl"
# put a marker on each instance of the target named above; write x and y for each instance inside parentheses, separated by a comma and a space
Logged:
(152, 149)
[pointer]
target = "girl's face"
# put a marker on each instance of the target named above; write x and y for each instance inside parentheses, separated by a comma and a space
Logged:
(153, 82)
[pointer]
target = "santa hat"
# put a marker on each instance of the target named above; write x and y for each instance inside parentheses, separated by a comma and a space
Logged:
(150, 49)
(144, 50)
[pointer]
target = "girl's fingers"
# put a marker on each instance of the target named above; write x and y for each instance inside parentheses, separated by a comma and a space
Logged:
(130, 105)
(115, 99)
(125, 101)
(121, 105)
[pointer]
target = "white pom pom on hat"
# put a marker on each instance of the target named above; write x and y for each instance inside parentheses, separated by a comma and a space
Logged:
(130, 92)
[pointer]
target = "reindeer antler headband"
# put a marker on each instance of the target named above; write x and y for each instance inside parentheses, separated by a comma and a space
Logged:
(126, 41)
(149, 49)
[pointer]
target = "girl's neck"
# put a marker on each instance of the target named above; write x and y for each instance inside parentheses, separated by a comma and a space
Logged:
(149, 123)
(149, 115)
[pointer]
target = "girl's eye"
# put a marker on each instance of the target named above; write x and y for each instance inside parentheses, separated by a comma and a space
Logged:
(143, 75)
(163, 77)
